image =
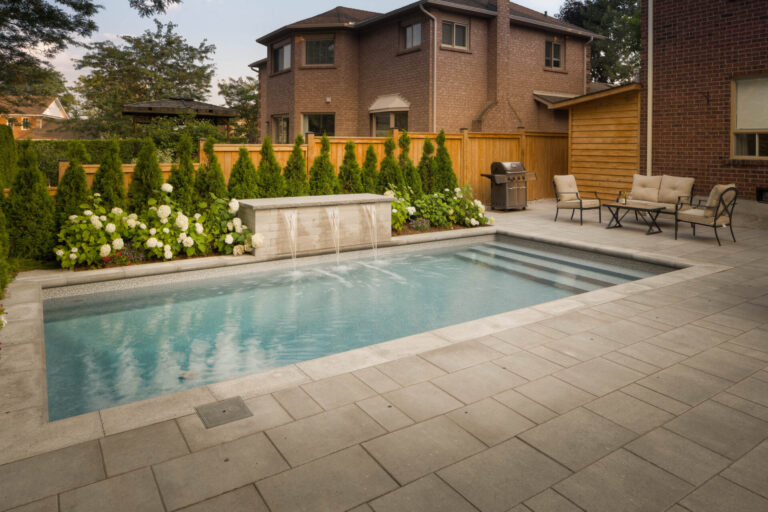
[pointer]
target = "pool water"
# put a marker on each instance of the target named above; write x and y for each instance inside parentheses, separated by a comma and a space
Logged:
(111, 348)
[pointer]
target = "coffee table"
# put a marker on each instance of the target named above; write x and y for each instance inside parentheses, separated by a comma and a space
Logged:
(649, 214)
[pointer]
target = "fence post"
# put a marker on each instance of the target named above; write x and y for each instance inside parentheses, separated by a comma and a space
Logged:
(200, 152)
(310, 150)
(464, 163)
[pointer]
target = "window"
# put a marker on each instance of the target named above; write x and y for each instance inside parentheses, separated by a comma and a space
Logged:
(11, 122)
(319, 51)
(553, 55)
(750, 123)
(412, 36)
(384, 122)
(320, 124)
(281, 131)
(454, 34)
(281, 58)
(25, 123)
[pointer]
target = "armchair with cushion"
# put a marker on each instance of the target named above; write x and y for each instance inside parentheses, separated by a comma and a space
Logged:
(715, 212)
(568, 198)
(669, 192)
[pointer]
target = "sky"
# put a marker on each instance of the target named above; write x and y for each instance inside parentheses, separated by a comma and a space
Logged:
(232, 25)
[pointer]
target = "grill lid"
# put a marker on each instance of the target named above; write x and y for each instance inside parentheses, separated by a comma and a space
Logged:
(507, 168)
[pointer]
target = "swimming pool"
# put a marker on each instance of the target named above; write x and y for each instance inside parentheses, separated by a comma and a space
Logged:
(110, 348)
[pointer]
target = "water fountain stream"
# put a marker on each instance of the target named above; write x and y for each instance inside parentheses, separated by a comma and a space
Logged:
(334, 220)
(291, 218)
(370, 210)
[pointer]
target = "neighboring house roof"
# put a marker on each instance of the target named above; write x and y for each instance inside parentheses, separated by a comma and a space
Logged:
(526, 16)
(599, 86)
(597, 95)
(47, 106)
(550, 98)
(176, 106)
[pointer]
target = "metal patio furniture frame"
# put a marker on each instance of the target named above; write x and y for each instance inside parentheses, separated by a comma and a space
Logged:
(721, 210)
(649, 214)
(581, 207)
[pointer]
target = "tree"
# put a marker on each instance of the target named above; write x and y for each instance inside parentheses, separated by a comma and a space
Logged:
(29, 210)
(269, 176)
(108, 180)
(73, 189)
(350, 176)
(322, 178)
(5, 268)
(295, 172)
(615, 59)
(427, 167)
(147, 178)
(167, 132)
(183, 177)
(390, 174)
(242, 94)
(210, 178)
(156, 64)
(7, 156)
(242, 180)
(370, 174)
(443, 177)
(410, 173)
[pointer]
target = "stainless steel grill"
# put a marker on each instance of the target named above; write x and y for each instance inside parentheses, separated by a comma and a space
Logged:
(509, 186)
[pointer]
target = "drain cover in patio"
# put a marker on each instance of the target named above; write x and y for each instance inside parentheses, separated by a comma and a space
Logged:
(223, 412)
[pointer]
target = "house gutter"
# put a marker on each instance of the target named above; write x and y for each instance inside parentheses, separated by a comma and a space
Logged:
(586, 79)
(434, 67)
(649, 121)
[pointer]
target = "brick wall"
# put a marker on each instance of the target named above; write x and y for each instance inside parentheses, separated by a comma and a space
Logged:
(700, 47)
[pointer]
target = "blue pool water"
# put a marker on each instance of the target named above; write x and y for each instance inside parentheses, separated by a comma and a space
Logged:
(107, 349)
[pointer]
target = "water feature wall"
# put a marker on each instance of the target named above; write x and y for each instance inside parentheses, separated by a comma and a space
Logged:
(318, 224)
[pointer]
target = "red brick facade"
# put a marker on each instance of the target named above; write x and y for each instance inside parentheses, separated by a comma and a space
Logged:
(700, 48)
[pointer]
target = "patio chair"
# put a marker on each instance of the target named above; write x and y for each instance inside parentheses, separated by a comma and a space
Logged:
(715, 212)
(568, 198)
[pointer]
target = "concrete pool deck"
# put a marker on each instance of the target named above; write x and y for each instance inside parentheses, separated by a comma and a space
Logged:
(651, 395)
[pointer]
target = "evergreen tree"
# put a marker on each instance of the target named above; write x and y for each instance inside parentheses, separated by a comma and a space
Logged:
(444, 177)
(242, 180)
(8, 156)
(210, 178)
(269, 177)
(322, 178)
(5, 267)
(295, 172)
(73, 189)
(410, 173)
(29, 211)
(108, 180)
(147, 177)
(350, 176)
(370, 174)
(390, 174)
(427, 167)
(183, 177)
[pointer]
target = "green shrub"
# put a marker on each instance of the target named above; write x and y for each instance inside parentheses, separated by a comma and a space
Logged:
(73, 189)
(269, 177)
(147, 178)
(8, 156)
(390, 175)
(209, 178)
(5, 268)
(350, 176)
(427, 167)
(295, 172)
(29, 211)
(227, 231)
(409, 171)
(444, 178)
(322, 178)
(109, 181)
(242, 180)
(182, 176)
(370, 174)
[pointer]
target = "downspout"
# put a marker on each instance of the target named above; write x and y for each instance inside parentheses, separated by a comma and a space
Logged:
(649, 121)
(434, 67)
(586, 77)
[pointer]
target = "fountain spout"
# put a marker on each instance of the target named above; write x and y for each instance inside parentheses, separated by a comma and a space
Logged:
(370, 210)
(334, 221)
(291, 218)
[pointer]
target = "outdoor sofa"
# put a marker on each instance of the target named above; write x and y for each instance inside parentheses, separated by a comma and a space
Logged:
(715, 212)
(568, 198)
(673, 193)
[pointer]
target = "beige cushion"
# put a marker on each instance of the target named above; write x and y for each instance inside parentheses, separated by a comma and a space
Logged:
(566, 187)
(645, 188)
(574, 203)
(702, 216)
(714, 196)
(673, 187)
(668, 208)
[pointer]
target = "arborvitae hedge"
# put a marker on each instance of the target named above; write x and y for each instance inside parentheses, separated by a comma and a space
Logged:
(322, 178)
(410, 173)
(108, 180)
(295, 172)
(210, 178)
(350, 176)
(444, 177)
(390, 174)
(29, 211)
(73, 189)
(370, 174)
(427, 167)
(8, 156)
(147, 177)
(269, 177)
(5, 268)
(183, 176)
(242, 180)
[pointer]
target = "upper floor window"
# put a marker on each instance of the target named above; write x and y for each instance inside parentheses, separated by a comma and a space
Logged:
(412, 35)
(750, 118)
(455, 34)
(553, 53)
(320, 124)
(25, 123)
(382, 123)
(319, 51)
(281, 58)
(11, 122)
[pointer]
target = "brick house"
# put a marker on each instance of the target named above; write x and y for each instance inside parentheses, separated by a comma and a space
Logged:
(346, 72)
(34, 118)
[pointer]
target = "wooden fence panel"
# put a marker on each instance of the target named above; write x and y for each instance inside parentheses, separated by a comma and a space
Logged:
(90, 172)
(482, 150)
(546, 154)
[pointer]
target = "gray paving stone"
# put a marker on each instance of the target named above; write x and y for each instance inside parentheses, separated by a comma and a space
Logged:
(584, 346)
(650, 396)
(497, 479)
(747, 351)
(740, 404)
(572, 323)
(490, 421)
(376, 380)
(685, 384)
(297, 402)
(428, 494)
(20, 389)
(460, 355)
(672, 315)
(553, 355)
(720, 428)
(732, 322)
(338, 482)
(631, 363)
(652, 354)
(244, 499)
(545, 330)
(599, 376)
(522, 337)
(49, 504)
(625, 332)
(142, 447)
(498, 345)
(577, 438)
(629, 412)
(527, 365)
(749, 311)
(422, 448)
(386, 414)
(751, 471)
(336, 391)
(213, 471)
(534, 411)
(550, 501)
(128, 492)
(752, 389)
(623, 481)
(555, 394)
(31, 479)
(719, 495)
(756, 339)
(362, 508)
(725, 364)
(478, 382)
(422, 401)
(410, 370)
(520, 508)
(710, 304)
(319, 435)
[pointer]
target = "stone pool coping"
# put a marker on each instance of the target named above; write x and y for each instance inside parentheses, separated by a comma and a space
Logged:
(26, 431)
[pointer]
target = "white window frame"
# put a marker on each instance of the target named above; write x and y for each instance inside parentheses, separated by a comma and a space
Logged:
(26, 124)
(285, 57)
(561, 59)
(412, 31)
(453, 25)
(735, 131)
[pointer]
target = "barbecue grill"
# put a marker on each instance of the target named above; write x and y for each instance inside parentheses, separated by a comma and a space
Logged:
(509, 186)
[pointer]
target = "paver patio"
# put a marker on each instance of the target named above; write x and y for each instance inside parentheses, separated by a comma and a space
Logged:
(647, 397)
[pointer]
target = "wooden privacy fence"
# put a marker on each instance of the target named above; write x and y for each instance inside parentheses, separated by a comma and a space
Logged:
(90, 172)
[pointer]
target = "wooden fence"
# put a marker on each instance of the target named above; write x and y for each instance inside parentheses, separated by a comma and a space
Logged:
(90, 172)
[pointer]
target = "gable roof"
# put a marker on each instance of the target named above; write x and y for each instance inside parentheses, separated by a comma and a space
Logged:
(175, 106)
(48, 106)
